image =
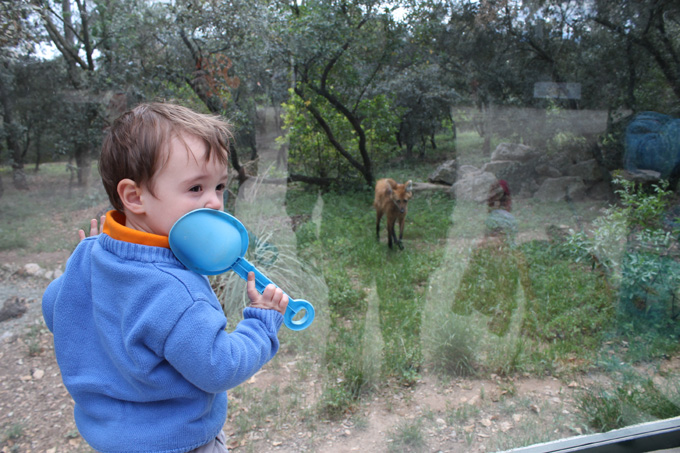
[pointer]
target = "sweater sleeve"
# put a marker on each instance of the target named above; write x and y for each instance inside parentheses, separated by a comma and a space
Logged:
(79, 257)
(48, 300)
(214, 360)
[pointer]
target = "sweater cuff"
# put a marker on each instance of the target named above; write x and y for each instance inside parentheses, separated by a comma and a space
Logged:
(271, 318)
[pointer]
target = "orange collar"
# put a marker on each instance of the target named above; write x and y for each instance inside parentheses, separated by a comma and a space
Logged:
(115, 227)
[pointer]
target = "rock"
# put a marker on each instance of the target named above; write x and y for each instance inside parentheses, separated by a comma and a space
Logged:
(445, 173)
(587, 170)
(513, 151)
(560, 189)
(501, 167)
(474, 187)
(642, 176)
(520, 176)
(33, 270)
(466, 170)
(14, 307)
(601, 191)
(547, 171)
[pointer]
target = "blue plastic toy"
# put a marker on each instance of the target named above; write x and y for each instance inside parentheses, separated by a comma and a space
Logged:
(211, 242)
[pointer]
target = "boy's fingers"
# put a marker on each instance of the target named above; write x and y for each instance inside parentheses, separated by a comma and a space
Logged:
(251, 289)
(269, 291)
(94, 227)
(283, 304)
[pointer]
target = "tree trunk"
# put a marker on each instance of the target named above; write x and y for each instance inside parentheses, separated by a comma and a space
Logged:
(12, 133)
(83, 161)
(19, 178)
(38, 151)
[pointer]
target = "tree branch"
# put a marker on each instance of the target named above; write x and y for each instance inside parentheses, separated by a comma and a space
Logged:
(329, 133)
(84, 21)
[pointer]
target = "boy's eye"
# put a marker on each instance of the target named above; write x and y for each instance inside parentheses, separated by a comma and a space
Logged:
(221, 187)
(195, 189)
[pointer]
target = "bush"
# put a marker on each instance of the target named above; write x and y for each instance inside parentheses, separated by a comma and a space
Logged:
(637, 248)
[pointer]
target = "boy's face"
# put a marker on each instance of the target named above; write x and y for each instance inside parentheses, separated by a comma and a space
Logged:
(186, 182)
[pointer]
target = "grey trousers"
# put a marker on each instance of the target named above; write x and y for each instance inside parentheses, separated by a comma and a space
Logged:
(218, 445)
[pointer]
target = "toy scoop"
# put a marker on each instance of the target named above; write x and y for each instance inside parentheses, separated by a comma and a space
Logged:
(211, 242)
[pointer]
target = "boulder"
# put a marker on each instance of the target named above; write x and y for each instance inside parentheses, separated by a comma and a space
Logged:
(513, 151)
(445, 173)
(501, 167)
(560, 189)
(465, 170)
(642, 176)
(547, 171)
(587, 170)
(474, 187)
(520, 176)
(601, 191)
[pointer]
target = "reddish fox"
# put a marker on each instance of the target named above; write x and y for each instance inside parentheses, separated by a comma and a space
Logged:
(391, 199)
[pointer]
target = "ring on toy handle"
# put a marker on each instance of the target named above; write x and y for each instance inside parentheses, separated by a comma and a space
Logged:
(211, 242)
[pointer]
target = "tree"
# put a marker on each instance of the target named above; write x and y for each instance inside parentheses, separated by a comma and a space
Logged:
(17, 36)
(38, 100)
(338, 51)
(217, 50)
(651, 26)
(77, 30)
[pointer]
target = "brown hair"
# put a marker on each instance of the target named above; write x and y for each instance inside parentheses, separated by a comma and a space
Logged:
(133, 145)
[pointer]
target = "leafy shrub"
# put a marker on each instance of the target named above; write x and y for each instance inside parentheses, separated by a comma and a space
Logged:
(638, 250)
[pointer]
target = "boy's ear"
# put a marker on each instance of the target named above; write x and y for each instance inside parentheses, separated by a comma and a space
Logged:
(130, 194)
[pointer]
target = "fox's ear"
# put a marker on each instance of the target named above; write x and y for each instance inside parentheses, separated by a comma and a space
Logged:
(409, 186)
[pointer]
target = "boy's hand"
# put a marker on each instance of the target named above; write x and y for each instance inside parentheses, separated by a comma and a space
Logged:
(94, 228)
(272, 298)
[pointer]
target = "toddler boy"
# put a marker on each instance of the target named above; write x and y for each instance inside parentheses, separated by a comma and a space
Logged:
(140, 340)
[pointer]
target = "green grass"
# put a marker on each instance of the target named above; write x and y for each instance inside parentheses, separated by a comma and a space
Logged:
(408, 437)
(635, 400)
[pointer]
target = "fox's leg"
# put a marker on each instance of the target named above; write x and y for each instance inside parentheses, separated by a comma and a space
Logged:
(391, 237)
(377, 225)
(401, 233)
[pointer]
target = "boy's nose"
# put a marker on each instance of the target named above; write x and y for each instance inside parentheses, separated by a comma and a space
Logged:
(214, 201)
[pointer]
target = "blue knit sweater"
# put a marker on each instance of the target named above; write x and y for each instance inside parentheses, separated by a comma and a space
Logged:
(142, 347)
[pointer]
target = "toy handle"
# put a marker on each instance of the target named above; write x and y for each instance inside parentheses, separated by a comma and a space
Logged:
(242, 267)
